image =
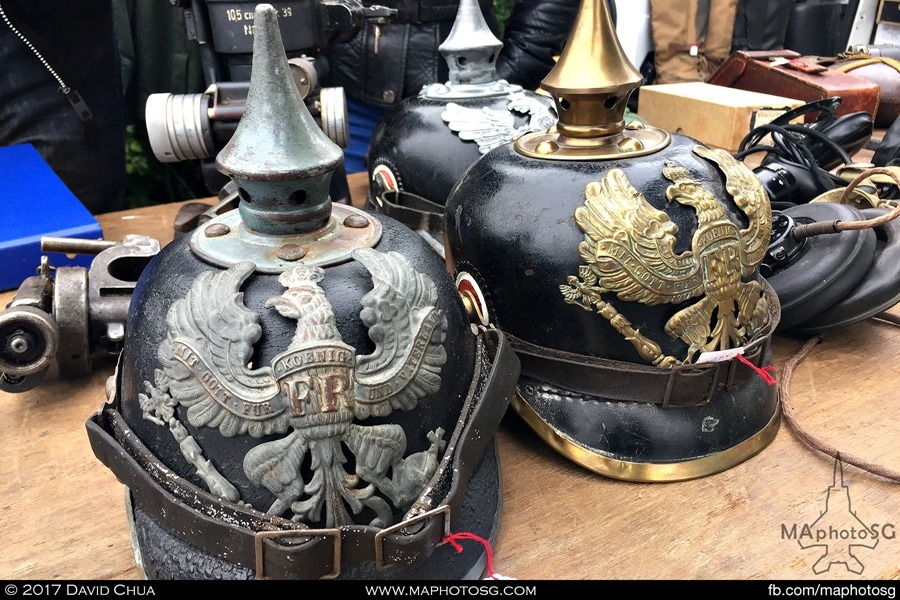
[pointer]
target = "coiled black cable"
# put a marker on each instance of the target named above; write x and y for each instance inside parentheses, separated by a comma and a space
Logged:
(788, 144)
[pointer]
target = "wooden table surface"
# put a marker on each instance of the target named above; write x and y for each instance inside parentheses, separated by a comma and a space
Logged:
(62, 512)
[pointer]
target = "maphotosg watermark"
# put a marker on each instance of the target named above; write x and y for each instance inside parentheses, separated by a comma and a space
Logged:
(839, 532)
(847, 590)
(450, 590)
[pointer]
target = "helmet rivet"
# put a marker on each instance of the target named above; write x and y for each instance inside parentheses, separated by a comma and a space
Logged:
(356, 221)
(217, 230)
(547, 147)
(291, 252)
(630, 145)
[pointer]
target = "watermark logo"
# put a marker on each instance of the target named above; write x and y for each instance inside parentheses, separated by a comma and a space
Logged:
(839, 533)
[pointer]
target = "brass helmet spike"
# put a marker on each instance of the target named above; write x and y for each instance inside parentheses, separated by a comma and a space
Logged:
(280, 159)
(593, 79)
(591, 85)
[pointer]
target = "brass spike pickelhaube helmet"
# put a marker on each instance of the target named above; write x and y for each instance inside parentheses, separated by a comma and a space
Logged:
(423, 145)
(301, 394)
(622, 263)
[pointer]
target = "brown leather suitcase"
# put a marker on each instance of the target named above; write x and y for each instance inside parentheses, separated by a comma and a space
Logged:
(787, 73)
(881, 70)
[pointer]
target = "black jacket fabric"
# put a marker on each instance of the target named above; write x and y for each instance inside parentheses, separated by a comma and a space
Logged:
(408, 56)
(72, 36)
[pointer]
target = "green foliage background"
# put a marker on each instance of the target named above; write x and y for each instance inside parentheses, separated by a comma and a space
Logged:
(152, 182)
(503, 8)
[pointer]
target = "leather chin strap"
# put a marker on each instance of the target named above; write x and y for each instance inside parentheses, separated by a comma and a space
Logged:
(282, 549)
(619, 381)
(414, 211)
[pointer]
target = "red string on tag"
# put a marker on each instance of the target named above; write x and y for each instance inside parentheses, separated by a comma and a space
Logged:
(764, 374)
(454, 538)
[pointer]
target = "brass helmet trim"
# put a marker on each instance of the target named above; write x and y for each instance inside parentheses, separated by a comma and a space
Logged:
(636, 140)
(646, 472)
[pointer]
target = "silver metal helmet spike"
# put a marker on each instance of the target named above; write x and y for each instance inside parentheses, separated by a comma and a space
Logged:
(471, 49)
(471, 52)
(281, 160)
(282, 163)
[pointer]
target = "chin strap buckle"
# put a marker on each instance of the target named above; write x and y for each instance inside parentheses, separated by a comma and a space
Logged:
(444, 510)
(262, 536)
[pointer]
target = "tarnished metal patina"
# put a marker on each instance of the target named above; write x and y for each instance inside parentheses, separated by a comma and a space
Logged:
(283, 186)
(630, 250)
(314, 389)
(300, 394)
(331, 244)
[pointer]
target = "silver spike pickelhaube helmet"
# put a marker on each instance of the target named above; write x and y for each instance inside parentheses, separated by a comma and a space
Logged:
(622, 263)
(301, 394)
(423, 145)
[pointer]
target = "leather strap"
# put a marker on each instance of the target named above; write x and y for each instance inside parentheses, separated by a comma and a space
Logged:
(281, 549)
(412, 210)
(865, 62)
(613, 380)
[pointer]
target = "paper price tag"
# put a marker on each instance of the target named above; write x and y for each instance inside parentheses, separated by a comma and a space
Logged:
(719, 355)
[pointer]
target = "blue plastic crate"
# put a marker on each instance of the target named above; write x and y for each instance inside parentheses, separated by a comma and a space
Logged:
(35, 203)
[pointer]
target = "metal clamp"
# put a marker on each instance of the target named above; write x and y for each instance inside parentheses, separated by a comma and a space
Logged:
(379, 537)
(262, 536)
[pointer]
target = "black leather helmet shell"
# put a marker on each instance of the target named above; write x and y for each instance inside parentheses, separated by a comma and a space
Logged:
(510, 225)
(423, 146)
(424, 155)
(300, 394)
(169, 278)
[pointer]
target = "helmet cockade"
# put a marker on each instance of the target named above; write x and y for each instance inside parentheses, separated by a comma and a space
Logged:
(313, 391)
(629, 248)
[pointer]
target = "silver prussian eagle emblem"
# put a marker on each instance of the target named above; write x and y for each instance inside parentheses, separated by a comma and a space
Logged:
(491, 128)
(313, 391)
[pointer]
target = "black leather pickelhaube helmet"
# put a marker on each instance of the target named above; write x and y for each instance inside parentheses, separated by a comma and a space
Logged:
(301, 394)
(423, 145)
(617, 260)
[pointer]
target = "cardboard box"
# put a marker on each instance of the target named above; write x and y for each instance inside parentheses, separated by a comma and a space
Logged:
(715, 115)
(36, 203)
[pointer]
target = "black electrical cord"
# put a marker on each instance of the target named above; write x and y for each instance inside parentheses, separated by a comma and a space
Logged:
(788, 145)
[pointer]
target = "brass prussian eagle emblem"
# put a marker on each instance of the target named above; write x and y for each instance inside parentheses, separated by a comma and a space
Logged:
(313, 391)
(629, 248)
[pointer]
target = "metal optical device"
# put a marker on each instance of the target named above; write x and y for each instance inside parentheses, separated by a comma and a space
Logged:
(68, 316)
